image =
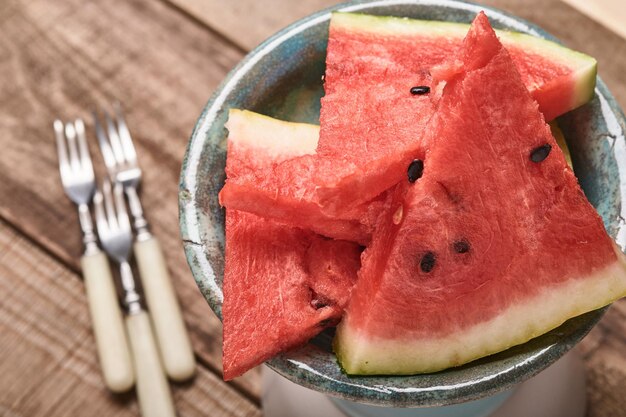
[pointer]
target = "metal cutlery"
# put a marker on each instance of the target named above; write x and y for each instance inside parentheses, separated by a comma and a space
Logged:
(78, 180)
(116, 238)
(120, 159)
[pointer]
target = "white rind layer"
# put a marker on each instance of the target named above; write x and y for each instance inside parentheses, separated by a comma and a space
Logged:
(363, 355)
(277, 139)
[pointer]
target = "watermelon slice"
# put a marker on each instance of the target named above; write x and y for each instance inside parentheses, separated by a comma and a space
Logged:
(365, 149)
(495, 244)
(282, 285)
(558, 78)
(279, 141)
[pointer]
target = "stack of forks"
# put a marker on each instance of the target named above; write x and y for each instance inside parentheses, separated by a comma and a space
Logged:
(150, 356)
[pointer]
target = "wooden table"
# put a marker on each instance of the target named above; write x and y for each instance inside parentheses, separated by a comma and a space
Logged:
(162, 59)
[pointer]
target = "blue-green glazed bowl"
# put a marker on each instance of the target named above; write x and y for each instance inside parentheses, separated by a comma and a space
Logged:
(282, 78)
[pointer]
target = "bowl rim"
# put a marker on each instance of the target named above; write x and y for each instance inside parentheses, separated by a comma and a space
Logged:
(189, 212)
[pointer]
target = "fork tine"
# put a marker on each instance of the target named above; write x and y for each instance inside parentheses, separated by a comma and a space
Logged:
(124, 135)
(120, 205)
(101, 219)
(114, 139)
(70, 134)
(108, 204)
(83, 149)
(105, 147)
(64, 165)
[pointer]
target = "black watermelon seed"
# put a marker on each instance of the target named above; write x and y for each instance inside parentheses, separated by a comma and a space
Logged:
(540, 153)
(323, 78)
(416, 169)
(428, 262)
(420, 89)
(461, 246)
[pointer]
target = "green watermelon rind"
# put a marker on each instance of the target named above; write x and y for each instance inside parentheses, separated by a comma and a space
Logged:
(584, 67)
(521, 323)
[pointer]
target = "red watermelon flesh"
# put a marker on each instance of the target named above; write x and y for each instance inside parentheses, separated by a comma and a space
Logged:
(489, 248)
(292, 202)
(279, 141)
(379, 63)
(371, 124)
(282, 285)
(261, 143)
(273, 300)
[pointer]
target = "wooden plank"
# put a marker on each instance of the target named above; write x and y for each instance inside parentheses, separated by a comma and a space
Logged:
(62, 58)
(610, 13)
(49, 364)
(248, 22)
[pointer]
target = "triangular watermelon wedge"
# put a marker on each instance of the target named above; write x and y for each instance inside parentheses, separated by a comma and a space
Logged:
(365, 149)
(282, 285)
(495, 244)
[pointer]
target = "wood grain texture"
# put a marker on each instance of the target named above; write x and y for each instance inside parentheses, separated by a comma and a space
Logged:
(65, 58)
(248, 22)
(610, 13)
(49, 365)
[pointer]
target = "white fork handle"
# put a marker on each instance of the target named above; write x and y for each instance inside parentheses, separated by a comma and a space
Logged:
(107, 322)
(167, 318)
(155, 398)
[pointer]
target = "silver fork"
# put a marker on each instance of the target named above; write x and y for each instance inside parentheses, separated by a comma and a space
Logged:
(79, 183)
(120, 159)
(115, 234)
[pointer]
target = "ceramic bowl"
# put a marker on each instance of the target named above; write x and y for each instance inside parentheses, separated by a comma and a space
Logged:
(282, 78)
